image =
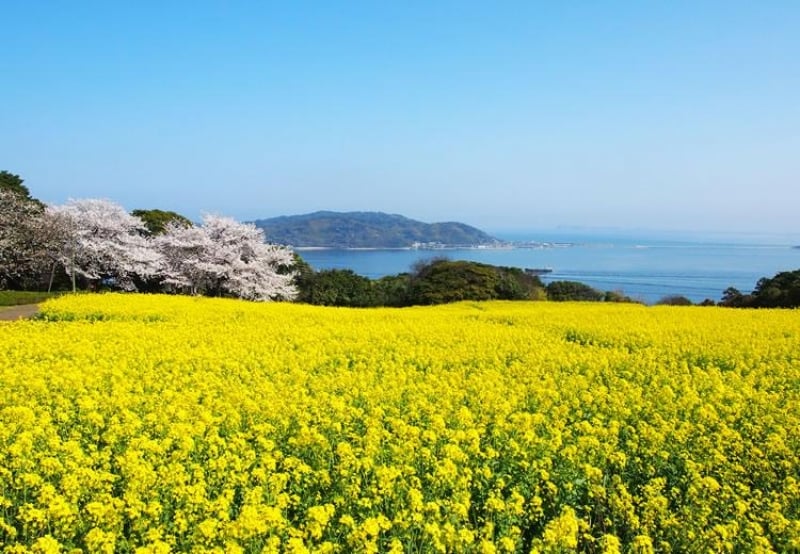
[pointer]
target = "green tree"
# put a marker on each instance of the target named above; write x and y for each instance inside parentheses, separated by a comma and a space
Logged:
(12, 182)
(156, 221)
(733, 298)
(441, 280)
(573, 291)
(448, 281)
(617, 296)
(780, 291)
(392, 290)
(516, 284)
(300, 267)
(435, 281)
(337, 287)
(674, 300)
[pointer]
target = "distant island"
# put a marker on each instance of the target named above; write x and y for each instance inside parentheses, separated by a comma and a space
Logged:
(327, 229)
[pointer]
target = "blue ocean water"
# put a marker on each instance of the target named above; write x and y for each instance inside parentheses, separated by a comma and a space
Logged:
(645, 267)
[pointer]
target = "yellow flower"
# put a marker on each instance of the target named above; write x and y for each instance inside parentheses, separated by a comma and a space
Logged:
(562, 532)
(609, 544)
(46, 545)
(318, 518)
(162, 423)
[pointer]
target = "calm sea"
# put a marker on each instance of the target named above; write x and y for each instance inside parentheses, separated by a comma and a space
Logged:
(645, 267)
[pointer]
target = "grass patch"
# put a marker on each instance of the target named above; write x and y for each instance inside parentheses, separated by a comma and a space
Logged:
(19, 298)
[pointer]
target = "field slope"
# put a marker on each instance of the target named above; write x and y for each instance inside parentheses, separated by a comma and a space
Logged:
(155, 424)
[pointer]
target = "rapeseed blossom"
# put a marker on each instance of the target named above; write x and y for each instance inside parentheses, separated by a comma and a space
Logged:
(156, 424)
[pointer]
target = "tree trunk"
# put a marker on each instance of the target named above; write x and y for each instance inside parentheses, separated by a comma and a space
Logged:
(52, 276)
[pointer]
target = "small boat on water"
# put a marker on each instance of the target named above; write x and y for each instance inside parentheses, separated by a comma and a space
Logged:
(538, 270)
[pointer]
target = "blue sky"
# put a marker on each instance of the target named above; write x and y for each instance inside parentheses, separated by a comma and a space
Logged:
(659, 115)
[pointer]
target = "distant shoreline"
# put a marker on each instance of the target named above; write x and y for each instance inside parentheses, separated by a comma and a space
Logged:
(499, 246)
(695, 270)
(371, 248)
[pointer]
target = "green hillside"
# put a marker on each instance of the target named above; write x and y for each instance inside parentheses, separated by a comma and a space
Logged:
(367, 230)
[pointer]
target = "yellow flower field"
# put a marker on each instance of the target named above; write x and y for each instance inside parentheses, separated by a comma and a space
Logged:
(171, 424)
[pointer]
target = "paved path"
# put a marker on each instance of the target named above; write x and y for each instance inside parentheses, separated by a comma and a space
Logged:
(12, 313)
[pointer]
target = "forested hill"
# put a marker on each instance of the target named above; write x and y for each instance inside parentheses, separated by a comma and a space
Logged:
(367, 230)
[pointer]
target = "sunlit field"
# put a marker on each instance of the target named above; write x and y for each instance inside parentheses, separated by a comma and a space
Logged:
(155, 424)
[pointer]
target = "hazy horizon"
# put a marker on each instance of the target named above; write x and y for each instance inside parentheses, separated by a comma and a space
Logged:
(533, 231)
(674, 117)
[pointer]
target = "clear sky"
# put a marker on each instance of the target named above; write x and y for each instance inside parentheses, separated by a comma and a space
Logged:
(663, 115)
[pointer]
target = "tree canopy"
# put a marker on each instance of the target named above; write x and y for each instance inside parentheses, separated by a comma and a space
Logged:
(105, 243)
(338, 287)
(24, 244)
(156, 221)
(434, 281)
(566, 291)
(225, 257)
(674, 300)
(11, 182)
(442, 280)
(780, 291)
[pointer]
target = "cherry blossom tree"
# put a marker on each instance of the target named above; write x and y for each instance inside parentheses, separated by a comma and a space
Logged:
(23, 244)
(30, 240)
(224, 256)
(184, 251)
(104, 242)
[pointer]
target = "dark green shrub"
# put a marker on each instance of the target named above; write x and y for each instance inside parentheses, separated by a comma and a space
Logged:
(441, 281)
(780, 291)
(337, 287)
(674, 300)
(573, 291)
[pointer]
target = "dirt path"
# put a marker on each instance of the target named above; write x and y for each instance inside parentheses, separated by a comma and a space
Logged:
(12, 313)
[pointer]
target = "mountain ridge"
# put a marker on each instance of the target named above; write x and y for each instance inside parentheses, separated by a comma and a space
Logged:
(330, 229)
